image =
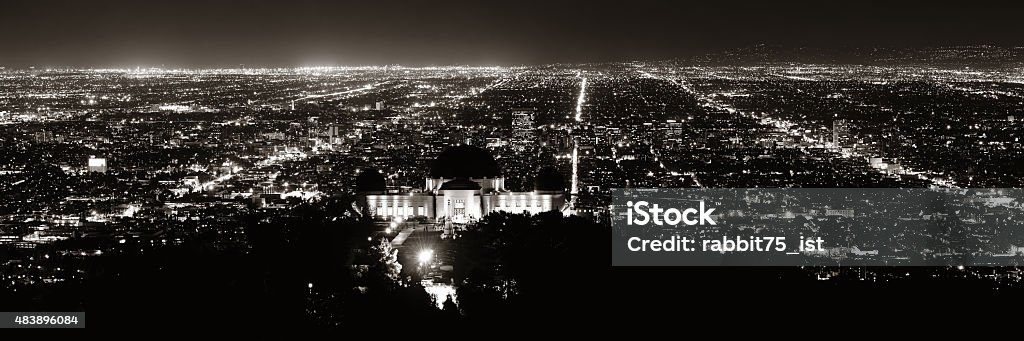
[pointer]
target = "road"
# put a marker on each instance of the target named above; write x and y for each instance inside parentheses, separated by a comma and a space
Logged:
(575, 182)
(790, 129)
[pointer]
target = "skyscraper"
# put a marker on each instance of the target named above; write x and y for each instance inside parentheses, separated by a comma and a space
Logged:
(673, 134)
(522, 127)
(840, 133)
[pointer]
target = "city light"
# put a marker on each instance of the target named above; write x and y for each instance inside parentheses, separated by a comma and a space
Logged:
(582, 97)
(425, 256)
(138, 163)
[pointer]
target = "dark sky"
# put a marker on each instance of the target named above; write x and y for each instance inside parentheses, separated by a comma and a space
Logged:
(481, 32)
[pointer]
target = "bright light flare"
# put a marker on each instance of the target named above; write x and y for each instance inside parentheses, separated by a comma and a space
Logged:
(425, 256)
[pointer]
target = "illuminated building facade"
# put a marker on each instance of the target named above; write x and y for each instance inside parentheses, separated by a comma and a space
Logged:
(522, 128)
(841, 133)
(97, 164)
(465, 184)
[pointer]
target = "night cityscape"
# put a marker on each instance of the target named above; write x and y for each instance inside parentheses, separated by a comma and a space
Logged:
(452, 195)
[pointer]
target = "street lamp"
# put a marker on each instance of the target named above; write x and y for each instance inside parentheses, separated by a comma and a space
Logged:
(425, 256)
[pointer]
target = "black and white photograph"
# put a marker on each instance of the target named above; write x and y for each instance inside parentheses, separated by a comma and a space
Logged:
(445, 167)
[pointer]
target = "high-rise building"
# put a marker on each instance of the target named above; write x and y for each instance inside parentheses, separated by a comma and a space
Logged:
(43, 136)
(673, 134)
(673, 129)
(840, 133)
(333, 130)
(600, 134)
(522, 127)
(334, 134)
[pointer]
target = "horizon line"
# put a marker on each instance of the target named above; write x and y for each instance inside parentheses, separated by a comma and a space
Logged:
(242, 66)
